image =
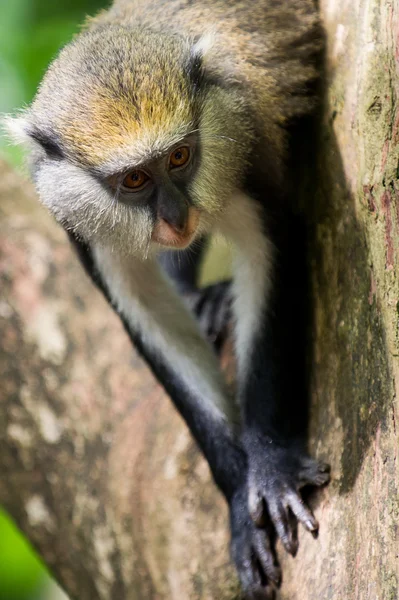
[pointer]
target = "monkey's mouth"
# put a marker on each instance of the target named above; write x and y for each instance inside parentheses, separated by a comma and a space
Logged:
(167, 235)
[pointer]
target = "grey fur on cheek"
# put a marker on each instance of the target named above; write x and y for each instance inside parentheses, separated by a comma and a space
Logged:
(80, 203)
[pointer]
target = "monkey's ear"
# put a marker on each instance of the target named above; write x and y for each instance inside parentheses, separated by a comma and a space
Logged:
(16, 129)
(21, 131)
(203, 44)
(198, 54)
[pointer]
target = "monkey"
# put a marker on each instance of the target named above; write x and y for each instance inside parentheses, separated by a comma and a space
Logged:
(162, 123)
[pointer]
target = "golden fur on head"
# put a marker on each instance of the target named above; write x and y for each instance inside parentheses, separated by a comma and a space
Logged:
(115, 89)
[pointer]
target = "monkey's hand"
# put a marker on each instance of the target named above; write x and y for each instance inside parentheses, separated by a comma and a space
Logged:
(212, 308)
(276, 474)
(253, 550)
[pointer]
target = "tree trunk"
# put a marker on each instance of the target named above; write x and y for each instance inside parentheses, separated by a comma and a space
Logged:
(355, 259)
(96, 466)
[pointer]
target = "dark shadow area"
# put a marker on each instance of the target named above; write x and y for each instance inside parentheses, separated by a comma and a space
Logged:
(346, 352)
(349, 361)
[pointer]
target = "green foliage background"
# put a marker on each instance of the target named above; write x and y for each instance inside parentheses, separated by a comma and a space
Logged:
(31, 32)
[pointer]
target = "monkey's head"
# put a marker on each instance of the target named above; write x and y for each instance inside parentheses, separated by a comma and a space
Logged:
(132, 142)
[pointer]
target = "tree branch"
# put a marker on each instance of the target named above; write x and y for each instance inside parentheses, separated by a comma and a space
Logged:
(97, 468)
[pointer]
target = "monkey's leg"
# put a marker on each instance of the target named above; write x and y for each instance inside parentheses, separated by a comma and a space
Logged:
(211, 304)
(270, 288)
(168, 337)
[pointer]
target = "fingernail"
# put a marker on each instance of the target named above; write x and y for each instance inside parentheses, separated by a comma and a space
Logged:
(315, 533)
(255, 505)
(312, 525)
(289, 547)
(256, 512)
(276, 576)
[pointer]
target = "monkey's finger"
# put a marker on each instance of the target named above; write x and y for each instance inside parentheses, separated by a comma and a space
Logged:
(248, 574)
(280, 520)
(255, 506)
(314, 473)
(308, 461)
(212, 305)
(261, 593)
(302, 513)
(223, 307)
(293, 524)
(267, 557)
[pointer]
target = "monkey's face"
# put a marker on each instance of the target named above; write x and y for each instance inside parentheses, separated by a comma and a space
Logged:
(133, 145)
(163, 186)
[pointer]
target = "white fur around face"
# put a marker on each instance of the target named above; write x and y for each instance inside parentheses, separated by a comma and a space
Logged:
(16, 129)
(89, 208)
(252, 268)
(152, 308)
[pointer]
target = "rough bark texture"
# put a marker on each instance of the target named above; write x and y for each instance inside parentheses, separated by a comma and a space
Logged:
(355, 254)
(96, 466)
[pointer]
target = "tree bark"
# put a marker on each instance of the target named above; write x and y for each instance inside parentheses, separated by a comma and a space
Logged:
(355, 259)
(96, 466)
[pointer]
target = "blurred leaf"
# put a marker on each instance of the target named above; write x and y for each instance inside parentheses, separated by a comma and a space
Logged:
(31, 34)
(20, 571)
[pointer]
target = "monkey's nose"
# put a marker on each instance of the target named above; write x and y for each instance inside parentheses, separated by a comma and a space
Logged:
(178, 226)
(174, 211)
(172, 235)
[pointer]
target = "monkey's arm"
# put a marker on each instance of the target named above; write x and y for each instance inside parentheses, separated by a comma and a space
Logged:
(211, 305)
(167, 337)
(270, 305)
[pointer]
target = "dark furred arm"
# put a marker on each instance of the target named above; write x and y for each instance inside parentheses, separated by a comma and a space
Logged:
(167, 337)
(152, 315)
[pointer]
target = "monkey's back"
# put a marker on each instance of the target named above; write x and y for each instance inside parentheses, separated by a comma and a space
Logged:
(268, 45)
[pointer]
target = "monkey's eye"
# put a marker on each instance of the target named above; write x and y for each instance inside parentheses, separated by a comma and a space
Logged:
(135, 180)
(179, 157)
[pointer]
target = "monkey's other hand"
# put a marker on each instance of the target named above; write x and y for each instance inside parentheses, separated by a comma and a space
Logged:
(212, 308)
(276, 474)
(253, 551)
